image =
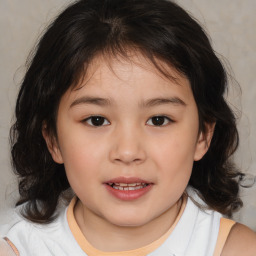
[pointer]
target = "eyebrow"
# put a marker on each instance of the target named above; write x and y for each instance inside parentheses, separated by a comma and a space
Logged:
(162, 101)
(144, 104)
(91, 100)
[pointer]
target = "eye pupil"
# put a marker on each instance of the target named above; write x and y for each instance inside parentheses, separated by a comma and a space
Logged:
(97, 120)
(158, 120)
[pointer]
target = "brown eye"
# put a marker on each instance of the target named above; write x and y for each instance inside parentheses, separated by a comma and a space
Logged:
(97, 121)
(159, 121)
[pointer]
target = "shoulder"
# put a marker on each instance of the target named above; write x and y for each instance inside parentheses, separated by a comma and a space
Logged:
(54, 238)
(27, 229)
(6, 249)
(26, 235)
(241, 239)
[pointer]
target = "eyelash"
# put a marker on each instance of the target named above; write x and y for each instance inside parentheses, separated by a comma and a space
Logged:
(166, 120)
(89, 121)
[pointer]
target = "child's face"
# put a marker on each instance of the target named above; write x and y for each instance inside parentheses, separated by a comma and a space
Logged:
(144, 131)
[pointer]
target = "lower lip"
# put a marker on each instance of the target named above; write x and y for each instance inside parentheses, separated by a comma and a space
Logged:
(128, 195)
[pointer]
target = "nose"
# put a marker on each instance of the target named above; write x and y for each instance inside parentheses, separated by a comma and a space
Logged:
(127, 146)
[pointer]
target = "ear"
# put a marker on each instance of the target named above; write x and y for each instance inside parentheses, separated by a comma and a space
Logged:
(204, 141)
(52, 145)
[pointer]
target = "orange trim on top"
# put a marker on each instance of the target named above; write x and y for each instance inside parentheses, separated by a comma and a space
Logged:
(225, 228)
(15, 250)
(91, 251)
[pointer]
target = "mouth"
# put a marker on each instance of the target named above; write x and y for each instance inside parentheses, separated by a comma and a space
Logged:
(128, 186)
(127, 189)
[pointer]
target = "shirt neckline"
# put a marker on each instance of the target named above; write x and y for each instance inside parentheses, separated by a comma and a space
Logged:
(92, 251)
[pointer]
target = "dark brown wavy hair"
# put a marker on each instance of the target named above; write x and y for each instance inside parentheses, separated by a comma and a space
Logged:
(158, 29)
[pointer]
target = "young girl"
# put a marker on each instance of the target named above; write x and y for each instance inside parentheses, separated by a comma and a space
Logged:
(123, 104)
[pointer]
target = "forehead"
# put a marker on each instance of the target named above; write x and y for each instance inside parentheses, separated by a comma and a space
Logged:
(136, 74)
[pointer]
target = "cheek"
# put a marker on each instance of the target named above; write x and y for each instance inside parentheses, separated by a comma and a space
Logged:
(174, 159)
(79, 147)
(81, 160)
(176, 149)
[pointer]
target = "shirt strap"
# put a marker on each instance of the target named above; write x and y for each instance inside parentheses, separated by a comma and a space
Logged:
(15, 250)
(224, 230)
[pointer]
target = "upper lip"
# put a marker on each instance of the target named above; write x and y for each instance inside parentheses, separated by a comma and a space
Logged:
(127, 180)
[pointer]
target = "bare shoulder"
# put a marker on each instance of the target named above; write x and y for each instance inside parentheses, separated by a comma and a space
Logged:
(241, 241)
(5, 248)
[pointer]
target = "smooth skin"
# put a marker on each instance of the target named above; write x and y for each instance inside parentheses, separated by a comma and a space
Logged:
(241, 241)
(127, 120)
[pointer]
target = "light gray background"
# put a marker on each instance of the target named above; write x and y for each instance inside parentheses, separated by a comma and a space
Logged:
(232, 27)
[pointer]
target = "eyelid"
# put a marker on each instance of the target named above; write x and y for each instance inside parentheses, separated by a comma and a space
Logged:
(86, 120)
(169, 120)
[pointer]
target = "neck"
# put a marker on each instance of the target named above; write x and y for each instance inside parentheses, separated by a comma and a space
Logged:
(109, 237)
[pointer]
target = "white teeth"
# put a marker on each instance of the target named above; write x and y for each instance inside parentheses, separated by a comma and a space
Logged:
(131, 186)
(127, 184)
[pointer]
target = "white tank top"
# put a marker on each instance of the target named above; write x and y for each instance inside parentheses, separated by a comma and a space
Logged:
(195, 234)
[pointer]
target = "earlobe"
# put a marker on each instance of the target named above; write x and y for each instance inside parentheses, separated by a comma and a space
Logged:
(52, 145)
(204, 141)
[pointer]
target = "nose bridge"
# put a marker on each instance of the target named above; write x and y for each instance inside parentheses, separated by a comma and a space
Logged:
(128, 146)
